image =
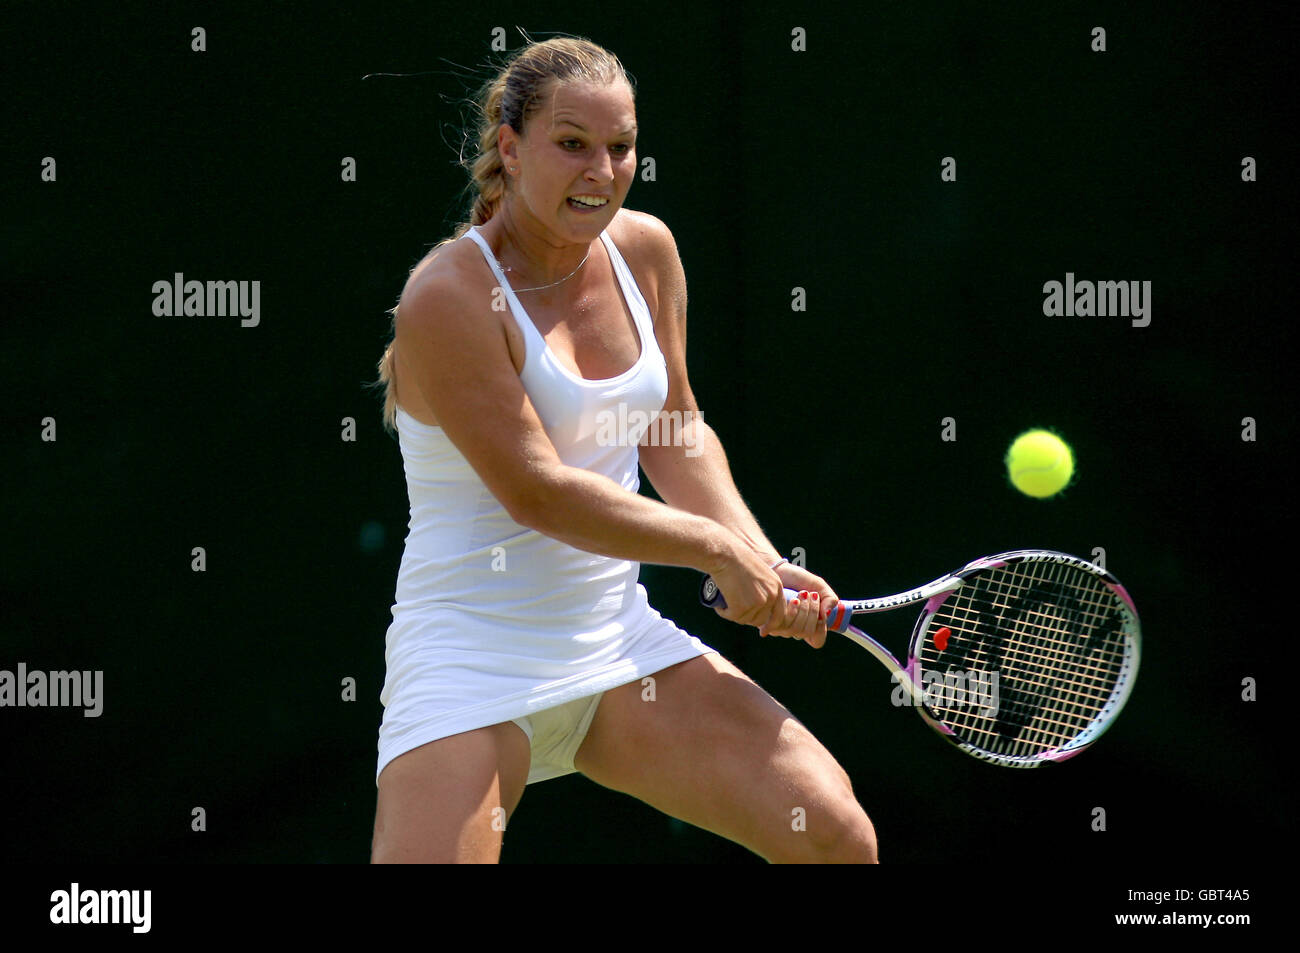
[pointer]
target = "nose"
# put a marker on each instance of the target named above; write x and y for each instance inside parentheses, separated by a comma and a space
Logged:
(601, 170)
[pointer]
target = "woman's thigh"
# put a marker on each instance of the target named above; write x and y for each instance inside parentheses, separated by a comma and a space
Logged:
(710, 747)
(448, 801)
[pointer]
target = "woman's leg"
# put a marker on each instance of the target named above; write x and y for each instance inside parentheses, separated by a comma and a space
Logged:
(716, 751)
(448, 801)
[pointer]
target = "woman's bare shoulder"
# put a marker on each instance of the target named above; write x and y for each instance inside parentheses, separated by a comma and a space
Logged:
(449, 264)
(450, 284)
(648, 247)
(640, 233)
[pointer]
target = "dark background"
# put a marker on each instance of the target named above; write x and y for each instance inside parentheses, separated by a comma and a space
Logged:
(775, 169)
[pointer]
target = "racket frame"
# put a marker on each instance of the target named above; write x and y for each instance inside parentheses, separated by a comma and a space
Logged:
(934, 595)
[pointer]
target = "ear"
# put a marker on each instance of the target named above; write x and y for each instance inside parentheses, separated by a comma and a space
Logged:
(508, 146)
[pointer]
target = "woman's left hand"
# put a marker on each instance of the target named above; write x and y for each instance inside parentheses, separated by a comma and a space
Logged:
(805, 618)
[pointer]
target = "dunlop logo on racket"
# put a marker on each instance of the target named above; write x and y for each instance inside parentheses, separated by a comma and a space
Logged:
(1017, 659)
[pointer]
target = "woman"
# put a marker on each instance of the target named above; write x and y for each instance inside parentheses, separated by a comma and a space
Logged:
(522, 647)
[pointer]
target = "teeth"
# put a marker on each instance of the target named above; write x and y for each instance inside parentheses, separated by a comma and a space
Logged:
(589, 200)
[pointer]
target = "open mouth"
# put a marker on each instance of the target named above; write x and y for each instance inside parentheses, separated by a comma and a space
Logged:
(587, 203)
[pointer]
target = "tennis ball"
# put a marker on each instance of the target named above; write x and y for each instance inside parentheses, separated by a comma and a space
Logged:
(1040, 464)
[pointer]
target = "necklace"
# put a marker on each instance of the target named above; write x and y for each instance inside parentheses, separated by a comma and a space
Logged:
(520, 291)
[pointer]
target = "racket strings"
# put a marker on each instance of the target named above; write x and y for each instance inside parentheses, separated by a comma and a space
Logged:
(1038, 652)
(1045, 699)
(1093, 670)
(1054, 636)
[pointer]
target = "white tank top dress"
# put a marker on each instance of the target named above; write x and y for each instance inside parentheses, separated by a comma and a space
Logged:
(493, 621)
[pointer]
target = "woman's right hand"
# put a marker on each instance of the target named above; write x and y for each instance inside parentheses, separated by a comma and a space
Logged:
(751, 588)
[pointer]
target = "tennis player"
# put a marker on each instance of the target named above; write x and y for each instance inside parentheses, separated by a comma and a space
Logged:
(522, 647)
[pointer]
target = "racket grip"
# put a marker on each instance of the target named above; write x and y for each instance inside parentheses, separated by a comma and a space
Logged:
(711, 596)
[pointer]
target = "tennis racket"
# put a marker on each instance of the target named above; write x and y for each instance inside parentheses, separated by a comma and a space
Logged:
(1019, 658)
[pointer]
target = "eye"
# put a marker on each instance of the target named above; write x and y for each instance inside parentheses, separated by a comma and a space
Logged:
(568, 143)
(622, 149)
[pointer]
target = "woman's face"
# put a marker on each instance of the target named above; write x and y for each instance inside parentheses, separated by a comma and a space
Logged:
(577, 159)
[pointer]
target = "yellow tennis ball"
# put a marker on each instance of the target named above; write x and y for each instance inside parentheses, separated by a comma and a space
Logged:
(1040, 464)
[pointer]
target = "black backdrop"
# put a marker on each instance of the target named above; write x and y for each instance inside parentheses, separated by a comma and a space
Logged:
(775, 169)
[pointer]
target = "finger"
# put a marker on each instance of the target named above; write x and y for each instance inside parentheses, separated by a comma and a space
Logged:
(814, 621)
(772, 621)
(809, 617)
(802, 618)
(766, 612)
(797, 620)
(818, 638)
(778, 623)
(805, 620)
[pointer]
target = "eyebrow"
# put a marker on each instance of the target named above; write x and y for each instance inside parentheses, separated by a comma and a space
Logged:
(581, 128)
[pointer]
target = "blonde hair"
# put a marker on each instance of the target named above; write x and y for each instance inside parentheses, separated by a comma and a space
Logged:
(512, 98)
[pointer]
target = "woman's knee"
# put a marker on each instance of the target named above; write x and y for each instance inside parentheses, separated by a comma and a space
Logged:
(849, 839)
(834, 828)
(834, 833)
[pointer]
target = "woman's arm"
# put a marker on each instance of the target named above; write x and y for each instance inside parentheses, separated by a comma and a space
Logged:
(453, 345)
(692, 473)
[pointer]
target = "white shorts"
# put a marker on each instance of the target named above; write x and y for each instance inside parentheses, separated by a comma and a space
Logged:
(556, 734)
